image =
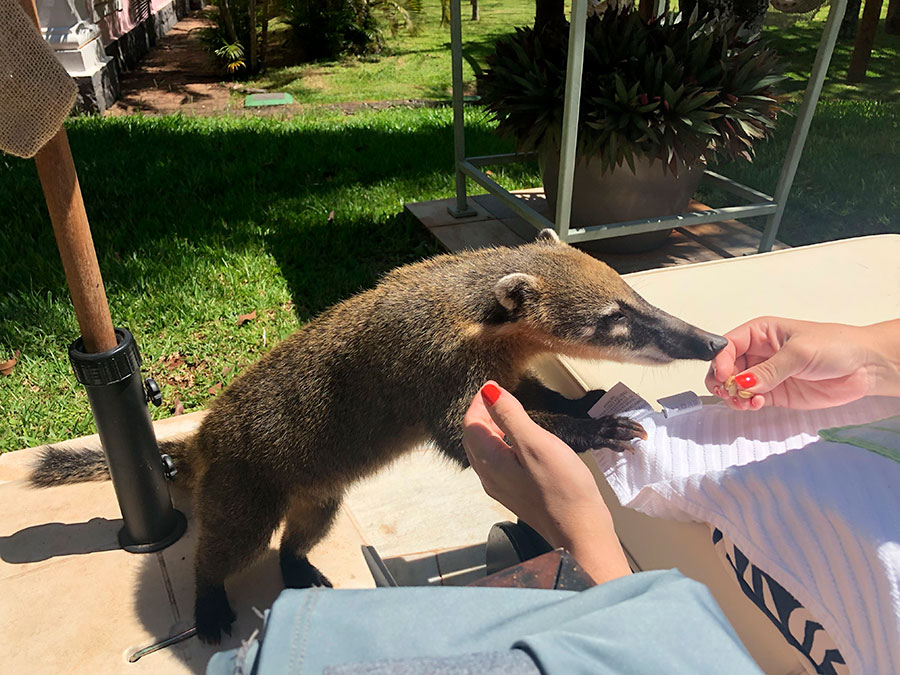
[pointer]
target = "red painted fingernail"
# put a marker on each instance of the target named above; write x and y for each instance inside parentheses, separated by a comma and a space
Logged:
(746, 380)
(490, 393)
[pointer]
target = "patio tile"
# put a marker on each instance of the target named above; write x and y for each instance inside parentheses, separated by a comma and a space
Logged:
(434, 213)
(423, 503)
(59, 559)
(71, 597)
(338, 556)
(41, 528)
(476, 234)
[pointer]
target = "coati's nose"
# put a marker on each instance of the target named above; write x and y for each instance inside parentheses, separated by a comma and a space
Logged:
(716, 343)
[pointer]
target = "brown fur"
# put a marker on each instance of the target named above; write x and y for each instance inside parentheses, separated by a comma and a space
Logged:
(384, 371)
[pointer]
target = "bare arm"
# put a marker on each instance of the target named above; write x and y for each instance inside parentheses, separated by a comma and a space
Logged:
(538, 477)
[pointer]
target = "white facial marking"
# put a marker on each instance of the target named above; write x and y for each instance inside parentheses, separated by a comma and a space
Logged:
(608, 309)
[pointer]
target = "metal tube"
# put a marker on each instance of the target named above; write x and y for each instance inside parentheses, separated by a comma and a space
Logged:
(571, 106)
(524, 211)
(736, 188)
(593, 232)
(116, 394)
(462, 208)
(804, 119)
(505, 158)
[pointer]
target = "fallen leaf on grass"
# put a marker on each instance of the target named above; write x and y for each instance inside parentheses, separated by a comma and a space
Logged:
(179, 408)
(6, 367)
(173, 361)
(215, 389)
(245, 318)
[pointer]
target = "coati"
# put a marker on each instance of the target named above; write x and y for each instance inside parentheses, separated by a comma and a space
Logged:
(384, 371)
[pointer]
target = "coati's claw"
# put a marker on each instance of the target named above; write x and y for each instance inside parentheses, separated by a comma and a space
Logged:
(214, 616)
(616, 433)
(623, 428)
(298, 572)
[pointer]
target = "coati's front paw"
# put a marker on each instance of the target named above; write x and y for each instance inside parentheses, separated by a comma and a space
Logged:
(213, 615)
(298, 572)
(614, 433)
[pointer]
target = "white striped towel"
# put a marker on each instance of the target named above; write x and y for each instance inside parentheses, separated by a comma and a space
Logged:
(821, 517)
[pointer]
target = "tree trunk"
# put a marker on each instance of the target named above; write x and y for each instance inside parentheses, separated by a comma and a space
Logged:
(251, 9)
(850, 20)
(264, 38)
(548, 13)
(445, 12)
(892, 22)
(475, 13)
(862, 49)
(229, 20)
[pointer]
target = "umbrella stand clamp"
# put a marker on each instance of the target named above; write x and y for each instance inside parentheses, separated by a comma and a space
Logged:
(119, 404)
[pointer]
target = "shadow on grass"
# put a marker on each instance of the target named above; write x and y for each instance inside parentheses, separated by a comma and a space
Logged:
(162, 194)
(797, 45)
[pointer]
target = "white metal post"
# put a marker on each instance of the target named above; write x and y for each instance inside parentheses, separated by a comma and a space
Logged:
(572, 104)
(462, 209)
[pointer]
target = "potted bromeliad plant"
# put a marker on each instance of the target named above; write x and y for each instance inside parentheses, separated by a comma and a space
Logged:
(659, 100)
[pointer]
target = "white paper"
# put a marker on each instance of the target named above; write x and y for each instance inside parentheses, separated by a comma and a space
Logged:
(621, 402)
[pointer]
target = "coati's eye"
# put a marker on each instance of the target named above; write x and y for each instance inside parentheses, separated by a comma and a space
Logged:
(616, 317)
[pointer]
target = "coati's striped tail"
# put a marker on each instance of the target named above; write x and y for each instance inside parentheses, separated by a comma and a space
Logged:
(61, 466)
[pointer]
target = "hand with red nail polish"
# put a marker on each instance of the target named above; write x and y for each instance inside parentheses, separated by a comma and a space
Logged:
(807, 365)
(541, 479)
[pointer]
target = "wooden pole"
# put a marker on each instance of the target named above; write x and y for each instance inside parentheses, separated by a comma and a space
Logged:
(865, 39)
(56, 171)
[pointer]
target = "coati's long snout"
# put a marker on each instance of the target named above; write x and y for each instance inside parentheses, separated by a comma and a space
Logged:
(586, 309)
(659, 337)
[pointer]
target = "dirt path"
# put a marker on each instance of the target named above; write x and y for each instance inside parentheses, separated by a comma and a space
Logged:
(177, 75)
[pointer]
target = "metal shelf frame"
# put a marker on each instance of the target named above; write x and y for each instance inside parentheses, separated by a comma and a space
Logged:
(760, 204)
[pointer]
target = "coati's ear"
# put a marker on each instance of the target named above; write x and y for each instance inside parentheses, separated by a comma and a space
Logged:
(548, 236)
(512, 290)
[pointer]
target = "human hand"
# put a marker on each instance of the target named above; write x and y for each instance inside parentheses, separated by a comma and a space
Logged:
(803, 364)
(541, 479)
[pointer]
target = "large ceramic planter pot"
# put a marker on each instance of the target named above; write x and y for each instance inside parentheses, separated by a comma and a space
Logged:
(621, 195)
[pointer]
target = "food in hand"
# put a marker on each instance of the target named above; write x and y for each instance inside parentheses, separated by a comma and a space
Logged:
(733, 390)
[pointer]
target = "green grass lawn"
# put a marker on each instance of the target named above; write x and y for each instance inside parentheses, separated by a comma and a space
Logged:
(418, 66)
(415, 66)
(796, 40)
(198, 221)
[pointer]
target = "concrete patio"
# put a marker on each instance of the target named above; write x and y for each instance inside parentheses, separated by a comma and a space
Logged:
(73, 599)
